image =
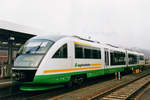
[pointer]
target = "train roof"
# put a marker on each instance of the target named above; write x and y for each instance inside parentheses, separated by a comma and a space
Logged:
(50, 37)
(108, 46)
(133, 52)
(141, 54)
(114, 48)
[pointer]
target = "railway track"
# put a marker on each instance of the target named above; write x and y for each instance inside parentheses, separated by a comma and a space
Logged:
(124, 91)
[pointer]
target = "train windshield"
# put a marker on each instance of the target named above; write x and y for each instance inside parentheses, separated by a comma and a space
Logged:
(36, 47)
(31, 54)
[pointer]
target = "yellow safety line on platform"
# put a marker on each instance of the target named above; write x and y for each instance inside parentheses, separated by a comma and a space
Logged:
(72, 69)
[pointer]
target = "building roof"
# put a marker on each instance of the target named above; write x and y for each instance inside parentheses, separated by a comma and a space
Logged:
(19, 28)
(50, 37)
(19, 34)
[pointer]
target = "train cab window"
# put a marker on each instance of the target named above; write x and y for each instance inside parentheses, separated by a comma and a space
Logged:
(78, 52)
(61, 52)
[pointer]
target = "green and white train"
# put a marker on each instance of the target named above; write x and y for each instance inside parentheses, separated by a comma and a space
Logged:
(46, 62)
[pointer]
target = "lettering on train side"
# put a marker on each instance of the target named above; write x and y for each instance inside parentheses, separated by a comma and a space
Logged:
(81, 65)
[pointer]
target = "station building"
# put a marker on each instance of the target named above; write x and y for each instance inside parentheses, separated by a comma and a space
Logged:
(12, 37)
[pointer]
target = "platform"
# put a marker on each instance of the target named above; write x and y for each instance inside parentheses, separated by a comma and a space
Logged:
(5, 83)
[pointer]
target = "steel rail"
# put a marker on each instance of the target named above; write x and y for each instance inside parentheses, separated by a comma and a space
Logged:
(125, 90)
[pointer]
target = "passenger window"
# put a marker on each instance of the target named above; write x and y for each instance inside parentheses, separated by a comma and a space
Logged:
(117, 58)
(87, 53)
(96, 54)
(78, 52)
(61, 52)
(132, 59)
(141, 58)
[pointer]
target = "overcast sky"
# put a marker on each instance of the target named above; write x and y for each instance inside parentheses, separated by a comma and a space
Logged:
(120, 22)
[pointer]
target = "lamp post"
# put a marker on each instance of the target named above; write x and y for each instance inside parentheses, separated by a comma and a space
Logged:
(10, 52)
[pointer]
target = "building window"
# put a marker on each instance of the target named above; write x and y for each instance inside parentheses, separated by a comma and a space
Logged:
(61, 52)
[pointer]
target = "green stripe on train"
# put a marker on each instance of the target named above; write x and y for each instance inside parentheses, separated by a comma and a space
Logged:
(65, 77)
(133, 67)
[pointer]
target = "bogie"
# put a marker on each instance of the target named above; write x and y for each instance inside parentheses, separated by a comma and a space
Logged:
(77, 80)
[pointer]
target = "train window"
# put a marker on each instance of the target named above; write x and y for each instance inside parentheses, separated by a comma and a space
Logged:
(78, 52)
(96, 54)
(36, 46)
(132, 59)
(141, 58)
(61, 52)
(117, 58)
(87, 53)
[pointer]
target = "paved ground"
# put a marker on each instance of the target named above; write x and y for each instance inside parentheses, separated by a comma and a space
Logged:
(5, 82)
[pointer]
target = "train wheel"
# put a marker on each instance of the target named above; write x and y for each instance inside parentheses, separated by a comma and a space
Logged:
(69, 84)
(76, 81)
(79, 80)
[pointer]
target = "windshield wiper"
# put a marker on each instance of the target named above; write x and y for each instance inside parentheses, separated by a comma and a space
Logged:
(36, 49)
(32, 49)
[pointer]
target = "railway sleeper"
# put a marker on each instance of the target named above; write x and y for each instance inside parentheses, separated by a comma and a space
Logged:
(130, 89)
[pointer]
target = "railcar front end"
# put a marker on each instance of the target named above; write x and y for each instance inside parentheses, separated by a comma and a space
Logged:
(27, 64)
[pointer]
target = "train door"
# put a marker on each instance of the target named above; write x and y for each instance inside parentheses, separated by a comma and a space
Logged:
(107, 59)
(126, 59)
(70, 54)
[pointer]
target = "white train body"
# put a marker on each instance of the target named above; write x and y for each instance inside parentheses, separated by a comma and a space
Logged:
(68, 57)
